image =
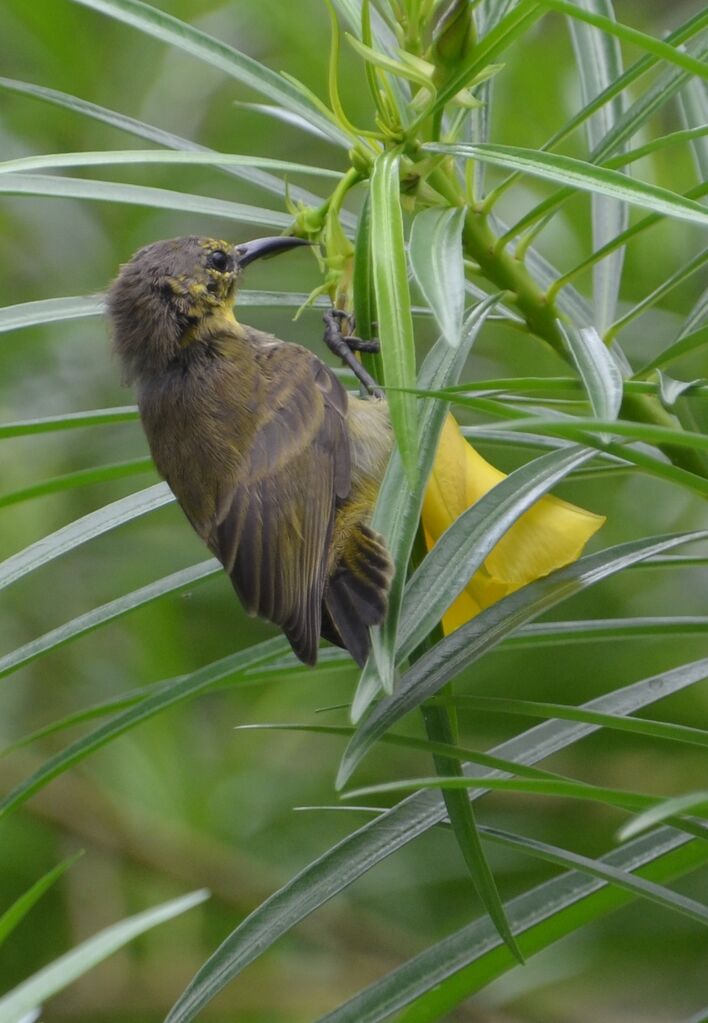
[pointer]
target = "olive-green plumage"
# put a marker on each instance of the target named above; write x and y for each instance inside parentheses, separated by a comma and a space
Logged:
(274, 464)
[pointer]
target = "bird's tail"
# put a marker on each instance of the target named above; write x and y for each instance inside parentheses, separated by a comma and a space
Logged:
(356, 596)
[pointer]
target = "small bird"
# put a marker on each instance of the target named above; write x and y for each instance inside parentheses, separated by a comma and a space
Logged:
(275, 465)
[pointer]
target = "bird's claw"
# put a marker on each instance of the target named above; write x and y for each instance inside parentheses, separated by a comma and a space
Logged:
(343, 345)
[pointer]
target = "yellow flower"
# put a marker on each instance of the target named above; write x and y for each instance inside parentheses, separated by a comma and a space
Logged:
(552, 533)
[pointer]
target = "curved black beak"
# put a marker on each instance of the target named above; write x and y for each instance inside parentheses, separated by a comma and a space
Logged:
(260, 247)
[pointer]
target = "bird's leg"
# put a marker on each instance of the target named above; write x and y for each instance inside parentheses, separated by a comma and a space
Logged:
(344, 345)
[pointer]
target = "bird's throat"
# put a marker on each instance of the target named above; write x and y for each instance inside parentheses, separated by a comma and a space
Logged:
(217, 320)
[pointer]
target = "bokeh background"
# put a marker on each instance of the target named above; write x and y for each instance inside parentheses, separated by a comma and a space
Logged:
(185, 801)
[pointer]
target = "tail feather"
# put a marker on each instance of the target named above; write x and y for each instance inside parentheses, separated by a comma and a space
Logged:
(356, 596)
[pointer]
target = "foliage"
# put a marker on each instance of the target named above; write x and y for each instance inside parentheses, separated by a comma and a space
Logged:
(560, 315)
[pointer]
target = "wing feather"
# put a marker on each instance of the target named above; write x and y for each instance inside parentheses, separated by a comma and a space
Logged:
(274, 531)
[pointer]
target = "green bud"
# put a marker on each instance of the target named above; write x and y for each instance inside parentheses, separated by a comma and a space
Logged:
(453, 35)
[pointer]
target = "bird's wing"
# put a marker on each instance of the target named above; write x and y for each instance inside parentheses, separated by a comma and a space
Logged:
(273, 530)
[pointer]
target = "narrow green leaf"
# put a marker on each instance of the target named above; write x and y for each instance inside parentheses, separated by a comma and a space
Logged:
(461, 550)
(561, 788)
(80, 478)
(442, 976)
(69, 967)
(21, 907)
(49, 310)
(683, 346)
(471, 641)
(692, 802)
(599, 60)
(53, 310)
(113, 157)
(339, 866)
(430, 746)
(598, 370)
(581, 175)
(262, 179)
(398, 505)
(69, 421)
(662, 896)
(639, 726)
(388, 256)
(559, 633)
(575, 428)
(217, 54)
(165, 694)
(631, 35)
(82, 530)
(435, 252)
(440, 727)
(97, 616)
(693, 104)
(139, 195)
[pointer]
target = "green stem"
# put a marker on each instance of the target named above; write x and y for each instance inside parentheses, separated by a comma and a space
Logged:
(510, 274)
(440, 720)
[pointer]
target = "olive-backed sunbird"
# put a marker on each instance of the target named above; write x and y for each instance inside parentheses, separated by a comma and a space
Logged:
(275, 465)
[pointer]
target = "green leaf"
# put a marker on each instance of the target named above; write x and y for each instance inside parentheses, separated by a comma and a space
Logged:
(53, 310)
(599, 371)
(269, 182)
(82, 530)
(631, 35)
(463, 963)
(599, 61)
(559, 633)
(388, 256)
(683, 346)
(49, 310)
(692, 802)
(640, 726)
(98, 616)
(69, 421)
(68, 968)
(165, 694)
(120, 157)
(581, 175)
(80, 478)
(471, 641)
(398, 505)
(461, 550)
(440, 727)
(21, 907)
(139, 195)
(575, 428)
(356, 854)
(217, 54)
(435, 252)
(563, 788)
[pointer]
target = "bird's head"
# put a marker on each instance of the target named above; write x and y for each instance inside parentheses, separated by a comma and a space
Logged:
(170, 288)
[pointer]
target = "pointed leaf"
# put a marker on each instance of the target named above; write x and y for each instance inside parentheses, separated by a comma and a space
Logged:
(393, 304)
(579, 174)
(68, 968)
(598, 370)
(471, 641)
(359, 852)
(217, 54)
(436, 260)
(139, 195)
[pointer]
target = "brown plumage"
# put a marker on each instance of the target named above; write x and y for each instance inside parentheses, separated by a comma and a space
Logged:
(274, 464)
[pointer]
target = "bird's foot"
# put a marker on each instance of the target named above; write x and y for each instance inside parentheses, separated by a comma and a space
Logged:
(343, 345)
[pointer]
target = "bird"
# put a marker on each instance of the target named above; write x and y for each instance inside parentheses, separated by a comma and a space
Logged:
(275, 465)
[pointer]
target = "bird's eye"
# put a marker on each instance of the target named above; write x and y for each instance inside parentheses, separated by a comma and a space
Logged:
(220, 260)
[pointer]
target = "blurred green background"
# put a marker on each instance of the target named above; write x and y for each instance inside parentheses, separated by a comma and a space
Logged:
(185, 801)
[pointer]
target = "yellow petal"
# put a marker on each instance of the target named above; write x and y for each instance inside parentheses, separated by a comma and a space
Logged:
(552, 533)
